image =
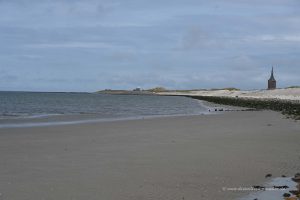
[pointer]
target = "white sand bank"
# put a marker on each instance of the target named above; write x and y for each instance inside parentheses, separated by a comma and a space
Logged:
(284, 94)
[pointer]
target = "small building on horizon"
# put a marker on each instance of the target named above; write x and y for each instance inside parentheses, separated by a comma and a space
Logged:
(138, 89)
(272, 81)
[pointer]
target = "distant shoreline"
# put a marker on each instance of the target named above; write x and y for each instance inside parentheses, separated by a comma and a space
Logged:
(291, 108)
(125, 92)
(288, 104)
(286, 101)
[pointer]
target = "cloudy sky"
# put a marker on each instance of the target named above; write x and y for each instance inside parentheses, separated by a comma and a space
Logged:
(88, 45)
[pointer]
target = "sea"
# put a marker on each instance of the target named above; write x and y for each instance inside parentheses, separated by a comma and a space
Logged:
(20, 108)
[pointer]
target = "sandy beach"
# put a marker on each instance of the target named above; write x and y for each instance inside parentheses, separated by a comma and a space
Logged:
(191, 157)
(290, 94)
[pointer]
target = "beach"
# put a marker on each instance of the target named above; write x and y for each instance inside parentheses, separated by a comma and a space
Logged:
(289, 94)
(185, 157)
(149, 100)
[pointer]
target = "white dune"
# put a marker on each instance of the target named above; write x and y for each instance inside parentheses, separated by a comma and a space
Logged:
(283, 94)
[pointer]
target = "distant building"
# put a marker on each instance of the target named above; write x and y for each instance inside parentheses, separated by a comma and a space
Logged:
(272, 81)
(137, 89)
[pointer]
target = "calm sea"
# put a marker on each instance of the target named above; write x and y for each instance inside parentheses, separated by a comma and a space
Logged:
(25, 105)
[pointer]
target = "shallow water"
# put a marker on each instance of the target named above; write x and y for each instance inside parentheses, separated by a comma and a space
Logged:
(91, 107)
(270, 193)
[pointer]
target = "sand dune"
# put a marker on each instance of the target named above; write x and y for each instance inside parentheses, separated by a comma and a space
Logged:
(284, 94)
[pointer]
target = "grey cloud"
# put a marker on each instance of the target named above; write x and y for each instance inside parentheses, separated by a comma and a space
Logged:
(75, 45)
(125, 44)
(195, 38)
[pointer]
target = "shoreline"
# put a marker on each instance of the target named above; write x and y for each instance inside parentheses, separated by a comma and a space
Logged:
(291, 108)
(25, 108)
(190, 157)
(284, 106)
(79, 119)
(70, 119)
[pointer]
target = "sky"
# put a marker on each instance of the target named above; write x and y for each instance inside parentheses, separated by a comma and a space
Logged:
(90, 45)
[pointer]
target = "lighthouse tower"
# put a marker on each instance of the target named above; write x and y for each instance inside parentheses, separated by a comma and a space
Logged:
(272, 81)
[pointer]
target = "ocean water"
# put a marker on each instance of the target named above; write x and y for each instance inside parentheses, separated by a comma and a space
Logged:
(26, 105)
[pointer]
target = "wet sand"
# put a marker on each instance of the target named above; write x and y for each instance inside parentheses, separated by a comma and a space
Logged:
(190, 157)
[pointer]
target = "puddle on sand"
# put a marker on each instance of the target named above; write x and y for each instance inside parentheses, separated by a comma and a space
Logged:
(270, 193)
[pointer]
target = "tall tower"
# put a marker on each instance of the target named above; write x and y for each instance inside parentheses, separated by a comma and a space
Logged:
(272, 81)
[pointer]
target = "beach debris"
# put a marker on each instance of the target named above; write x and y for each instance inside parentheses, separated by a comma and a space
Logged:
(291, 198)
(286, 195)
(269, 125)
(296, 178)
(295, 192)
(268, 176)
(283, 176)
(221, 109)
(216, 109)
